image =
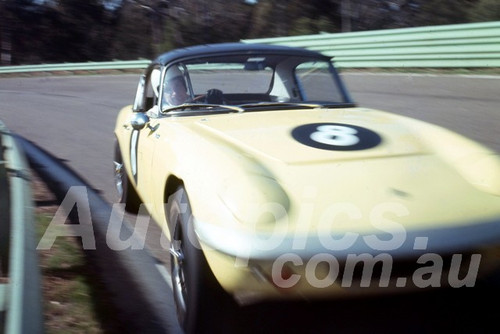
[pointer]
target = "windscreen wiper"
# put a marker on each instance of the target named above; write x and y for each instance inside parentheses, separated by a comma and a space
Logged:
(197, 106)
(281, 104)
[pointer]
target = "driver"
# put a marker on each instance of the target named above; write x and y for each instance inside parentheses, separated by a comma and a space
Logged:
(175, 89)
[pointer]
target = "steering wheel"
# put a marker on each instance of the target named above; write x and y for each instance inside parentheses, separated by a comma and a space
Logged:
(212, 96)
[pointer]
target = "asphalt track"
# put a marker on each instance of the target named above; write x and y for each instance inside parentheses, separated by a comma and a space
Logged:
(73, 118)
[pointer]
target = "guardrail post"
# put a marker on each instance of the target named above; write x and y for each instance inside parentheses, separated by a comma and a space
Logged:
(4, 213)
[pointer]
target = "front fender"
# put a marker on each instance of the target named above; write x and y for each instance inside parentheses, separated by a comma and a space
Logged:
(477, 164)
(225, 184)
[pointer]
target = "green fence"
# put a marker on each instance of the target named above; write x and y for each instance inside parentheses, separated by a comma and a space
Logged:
(87, 66)
(460, 45)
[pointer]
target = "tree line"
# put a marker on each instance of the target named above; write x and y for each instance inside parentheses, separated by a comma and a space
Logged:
(52, 31)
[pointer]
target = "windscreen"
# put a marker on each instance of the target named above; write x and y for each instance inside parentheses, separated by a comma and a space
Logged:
(250, 79)
(230, 78)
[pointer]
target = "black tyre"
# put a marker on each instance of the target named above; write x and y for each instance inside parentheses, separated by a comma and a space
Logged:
(126, 192)
(195, 289)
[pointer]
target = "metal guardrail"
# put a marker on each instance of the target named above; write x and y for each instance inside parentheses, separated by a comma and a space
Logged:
(134, 279)
(88, 66)
(20, 292)
(460, 46)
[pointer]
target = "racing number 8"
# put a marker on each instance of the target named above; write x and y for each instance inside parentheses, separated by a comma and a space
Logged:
(336, 135)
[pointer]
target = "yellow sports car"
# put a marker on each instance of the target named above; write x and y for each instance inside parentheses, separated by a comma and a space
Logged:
(270, 183)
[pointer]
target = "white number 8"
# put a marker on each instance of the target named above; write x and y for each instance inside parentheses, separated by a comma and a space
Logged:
(336, 135)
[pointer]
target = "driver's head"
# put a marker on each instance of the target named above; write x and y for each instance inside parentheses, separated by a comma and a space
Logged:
(175, 90)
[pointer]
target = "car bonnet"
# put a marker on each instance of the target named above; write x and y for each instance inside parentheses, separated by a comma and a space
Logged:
(315, 136)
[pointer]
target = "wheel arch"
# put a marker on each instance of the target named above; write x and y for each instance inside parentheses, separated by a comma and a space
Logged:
(172, 183)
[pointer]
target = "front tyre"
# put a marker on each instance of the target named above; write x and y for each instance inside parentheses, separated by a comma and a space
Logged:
(194, 286)
(126, 192)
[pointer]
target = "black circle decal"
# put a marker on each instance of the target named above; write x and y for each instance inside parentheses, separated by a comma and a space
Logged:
(336, 136)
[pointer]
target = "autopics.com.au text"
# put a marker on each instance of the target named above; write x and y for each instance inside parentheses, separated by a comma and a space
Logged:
(293, 261)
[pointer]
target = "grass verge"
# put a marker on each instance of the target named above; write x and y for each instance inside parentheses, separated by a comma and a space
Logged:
(65, 286)
(74, 298)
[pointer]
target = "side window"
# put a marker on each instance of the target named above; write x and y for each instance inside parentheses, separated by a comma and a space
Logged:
(139, 95)
(316, 82)
(153, 88)
(146, 96)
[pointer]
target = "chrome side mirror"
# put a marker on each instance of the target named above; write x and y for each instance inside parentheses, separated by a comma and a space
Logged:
(139, 120)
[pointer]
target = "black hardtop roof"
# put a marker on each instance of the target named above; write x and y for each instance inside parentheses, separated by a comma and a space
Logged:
(233, 48)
